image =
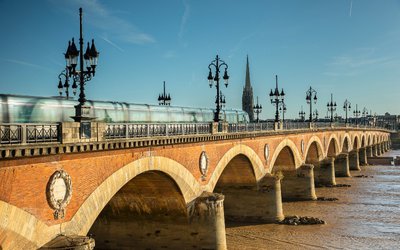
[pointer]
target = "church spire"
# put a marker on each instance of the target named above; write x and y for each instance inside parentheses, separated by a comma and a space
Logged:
(247, 83)
(247, 97)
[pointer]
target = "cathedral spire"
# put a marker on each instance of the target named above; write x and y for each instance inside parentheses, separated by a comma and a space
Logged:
(247, 97)
(247, 83)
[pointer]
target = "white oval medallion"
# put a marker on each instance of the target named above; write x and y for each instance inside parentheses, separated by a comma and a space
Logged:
(302, 146)
(203, 164)
(266, 152)
(59, 192)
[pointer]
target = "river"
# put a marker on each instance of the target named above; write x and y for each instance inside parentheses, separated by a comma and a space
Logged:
(365, 216)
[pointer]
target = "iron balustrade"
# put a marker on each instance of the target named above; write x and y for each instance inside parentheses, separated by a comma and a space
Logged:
(249, 127)
(29, 133)
(132, 130)
(287, 125)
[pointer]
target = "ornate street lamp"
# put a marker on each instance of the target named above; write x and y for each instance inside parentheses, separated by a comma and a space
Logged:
(222, 101)
(217, 64)
(282, 109)
(356, 113)
(364, 114)
(331, 107)
(346, 107)
(315, 115)
(311, 96)
(65, 87)
(82, 112)
(302, 114)
(276, 98)
(257, 109)
(164, 98)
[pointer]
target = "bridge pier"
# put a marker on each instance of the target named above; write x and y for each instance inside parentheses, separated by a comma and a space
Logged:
(207, 223)
(342, 165)
(262, 203)
(299, 184)
(370, 152)
(381, 148)
(363, 157)
(354, 163)
(374, 150)
(324, 172)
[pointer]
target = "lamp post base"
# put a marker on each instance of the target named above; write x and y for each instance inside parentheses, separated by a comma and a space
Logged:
(82, 113)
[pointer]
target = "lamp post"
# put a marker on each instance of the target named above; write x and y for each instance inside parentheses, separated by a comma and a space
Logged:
(282, 109)
(65, 87)
(91, 55)
(217, 64)
(164, 98)
(276, 98)
(331, 107)
(364, 114)
(311, 95)
(356, 113)
(346, 107)
(315, 114)
(222, 100)
(257, 110)
(302, 114)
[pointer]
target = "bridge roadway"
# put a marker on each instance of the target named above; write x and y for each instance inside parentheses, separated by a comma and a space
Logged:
(171, 188)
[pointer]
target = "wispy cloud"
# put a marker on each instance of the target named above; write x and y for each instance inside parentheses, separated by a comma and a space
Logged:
(184, 19)
(27, 64)
(169, 54)
(108, 21)
(360, 60)
(239, 44)
(111, 43)
(351, 7)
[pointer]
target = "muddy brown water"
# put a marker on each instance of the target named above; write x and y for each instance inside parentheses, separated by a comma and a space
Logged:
(366, 216)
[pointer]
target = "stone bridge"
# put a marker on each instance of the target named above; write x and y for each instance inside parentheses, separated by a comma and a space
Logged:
(173, 193)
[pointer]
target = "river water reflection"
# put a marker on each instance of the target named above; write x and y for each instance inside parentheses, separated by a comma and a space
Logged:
(366, 216)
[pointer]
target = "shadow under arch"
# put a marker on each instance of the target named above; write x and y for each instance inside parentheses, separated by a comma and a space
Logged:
(346, 146)
(314, 152)
(149, 211)
(84, 218)
(241, 150)
(333, 148)
(286, 157)
(356, 143)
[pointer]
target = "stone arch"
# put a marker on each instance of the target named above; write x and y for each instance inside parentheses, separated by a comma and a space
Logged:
(333, 147)
(374, 139)
(13, 227)
(240, 149)
(84, 218)
(363, 141)
(346, 143)
(291, 152)
(369, 140)
(356, 142)
(314, 151)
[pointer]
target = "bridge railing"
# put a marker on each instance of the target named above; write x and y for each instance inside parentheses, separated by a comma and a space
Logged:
(249, 127)
(29, 133)
(132, 130)
(296, 125)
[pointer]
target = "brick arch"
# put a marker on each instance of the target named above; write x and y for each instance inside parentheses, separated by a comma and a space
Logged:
(249, 153)
(374, 139)
(84, 218)
(363, 141)
(349, 145)
(319, 149)
(290, 144)
(356, 142)
(336, 146)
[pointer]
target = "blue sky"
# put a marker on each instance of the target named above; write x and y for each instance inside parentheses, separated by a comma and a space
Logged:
(350, 48)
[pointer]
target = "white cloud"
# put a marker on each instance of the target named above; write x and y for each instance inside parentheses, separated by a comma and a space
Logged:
(113, 25)
(185, 17)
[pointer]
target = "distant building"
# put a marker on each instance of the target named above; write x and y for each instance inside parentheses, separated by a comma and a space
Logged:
(247, 97)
